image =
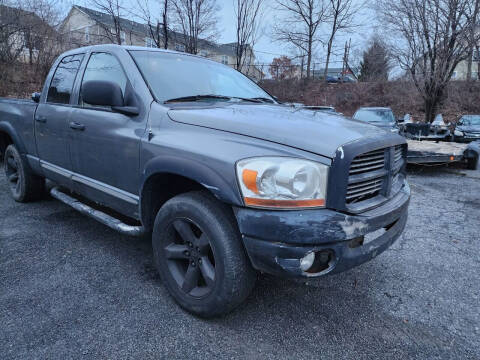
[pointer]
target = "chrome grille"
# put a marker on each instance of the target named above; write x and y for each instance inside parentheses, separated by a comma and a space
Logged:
(366, 176)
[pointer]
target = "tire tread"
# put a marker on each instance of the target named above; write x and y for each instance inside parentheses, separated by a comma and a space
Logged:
(239, 276)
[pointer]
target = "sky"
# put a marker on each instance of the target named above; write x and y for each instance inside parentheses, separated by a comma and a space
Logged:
(266, 48)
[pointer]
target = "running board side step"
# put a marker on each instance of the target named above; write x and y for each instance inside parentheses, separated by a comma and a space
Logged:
(105, 219)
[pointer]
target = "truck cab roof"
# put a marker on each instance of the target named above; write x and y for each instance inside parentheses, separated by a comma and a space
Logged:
(115, 48)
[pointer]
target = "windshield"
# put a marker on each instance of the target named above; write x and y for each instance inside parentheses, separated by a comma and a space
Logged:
(470, 120)
(371, 115)
(172, 76)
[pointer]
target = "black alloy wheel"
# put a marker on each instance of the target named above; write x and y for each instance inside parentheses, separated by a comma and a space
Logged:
(190, 258)
(12, 173)
(23, 184)
(198, 252)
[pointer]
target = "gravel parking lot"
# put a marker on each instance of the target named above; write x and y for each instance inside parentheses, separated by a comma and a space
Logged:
(72, 288)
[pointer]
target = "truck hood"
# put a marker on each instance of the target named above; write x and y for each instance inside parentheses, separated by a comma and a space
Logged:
(314, 131)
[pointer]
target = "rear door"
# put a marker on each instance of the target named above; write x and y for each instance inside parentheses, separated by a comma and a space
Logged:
(51, 121)
(105, 145)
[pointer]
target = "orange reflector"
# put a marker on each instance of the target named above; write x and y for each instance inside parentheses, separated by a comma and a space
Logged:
(451, 158)
(284, 203)
(249, 178)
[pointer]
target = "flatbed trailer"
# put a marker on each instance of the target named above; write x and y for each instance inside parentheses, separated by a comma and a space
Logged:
(430, 152)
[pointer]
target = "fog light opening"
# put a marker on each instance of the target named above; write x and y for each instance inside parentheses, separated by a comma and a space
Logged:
(307, 261)
(320, 261)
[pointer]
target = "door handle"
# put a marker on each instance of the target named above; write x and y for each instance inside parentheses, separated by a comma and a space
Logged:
(41, 119)
(76, 126)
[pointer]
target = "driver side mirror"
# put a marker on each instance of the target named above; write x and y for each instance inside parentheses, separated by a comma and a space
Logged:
(106, 93)
(36, 97)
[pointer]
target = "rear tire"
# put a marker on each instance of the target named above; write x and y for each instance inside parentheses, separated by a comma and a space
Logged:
(199, 254)
(24, 186)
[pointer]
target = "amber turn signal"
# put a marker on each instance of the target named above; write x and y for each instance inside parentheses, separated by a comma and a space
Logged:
(249, 178)
(285, 204)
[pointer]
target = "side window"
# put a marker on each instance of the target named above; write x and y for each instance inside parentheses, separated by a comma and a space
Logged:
(61, 85)
(103, 66)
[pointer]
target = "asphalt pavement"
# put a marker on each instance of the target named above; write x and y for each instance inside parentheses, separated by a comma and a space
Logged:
(72, 288)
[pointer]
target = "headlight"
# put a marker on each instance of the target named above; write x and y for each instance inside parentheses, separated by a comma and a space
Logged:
(282, 182)
(395, 130)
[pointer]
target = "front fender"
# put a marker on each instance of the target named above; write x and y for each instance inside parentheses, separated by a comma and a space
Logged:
(222, 184)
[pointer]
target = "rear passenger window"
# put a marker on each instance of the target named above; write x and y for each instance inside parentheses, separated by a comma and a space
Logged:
(103, 66)
(61, 85)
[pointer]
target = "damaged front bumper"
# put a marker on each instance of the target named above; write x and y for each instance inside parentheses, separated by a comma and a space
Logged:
(276, 241)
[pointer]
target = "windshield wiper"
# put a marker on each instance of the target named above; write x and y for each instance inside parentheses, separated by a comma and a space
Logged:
(197, 98)
(210, 96)
(263, 99)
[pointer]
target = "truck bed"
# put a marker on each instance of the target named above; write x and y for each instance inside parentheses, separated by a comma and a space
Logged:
(16, 119)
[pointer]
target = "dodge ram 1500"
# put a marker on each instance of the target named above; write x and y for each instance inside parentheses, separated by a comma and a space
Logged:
(226, 180)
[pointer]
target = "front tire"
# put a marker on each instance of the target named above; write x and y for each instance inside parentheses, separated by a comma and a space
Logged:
(24, 186)
(199, 255)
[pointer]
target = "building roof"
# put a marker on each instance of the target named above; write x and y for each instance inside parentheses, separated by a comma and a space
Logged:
(143, 29)
(106, 19)
(19, 17)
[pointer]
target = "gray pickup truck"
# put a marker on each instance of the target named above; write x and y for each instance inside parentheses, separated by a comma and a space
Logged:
(226, 180)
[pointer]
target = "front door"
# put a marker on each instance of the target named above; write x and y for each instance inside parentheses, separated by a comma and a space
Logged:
(51, 121)
(105, 145)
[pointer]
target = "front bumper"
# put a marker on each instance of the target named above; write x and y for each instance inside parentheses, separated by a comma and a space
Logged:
(276, 240)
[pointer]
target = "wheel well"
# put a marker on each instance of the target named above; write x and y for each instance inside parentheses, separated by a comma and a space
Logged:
(160, 188)
(5, 140)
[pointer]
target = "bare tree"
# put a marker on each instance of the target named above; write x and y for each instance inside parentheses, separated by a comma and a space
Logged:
(431, 39)
(157, 26)
(340, 17)
(115, 9)
(42, 39)
(299, 25)
(195, 19)
(248, 13)
(473, 11)
(12, 27)
(165, 12)
(29, 42)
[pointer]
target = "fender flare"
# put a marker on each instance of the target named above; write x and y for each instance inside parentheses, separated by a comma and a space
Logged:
(8, 128)
(196, 171)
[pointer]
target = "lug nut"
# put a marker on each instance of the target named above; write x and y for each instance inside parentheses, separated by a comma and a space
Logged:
(187, 253)
(190, 244)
